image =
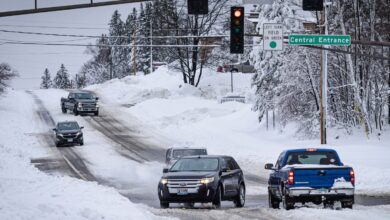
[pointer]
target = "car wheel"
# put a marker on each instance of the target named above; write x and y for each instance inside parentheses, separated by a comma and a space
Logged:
(82, 143)
(75, 112)
(288, 202)
(240, 200)
(63, 109)
(58, 145)
(328, 204)
(164, 205)
(272, 201)
(189, 205)
(217, 198)
(96, 113)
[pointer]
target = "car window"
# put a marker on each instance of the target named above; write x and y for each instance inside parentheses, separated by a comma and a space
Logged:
(223, 163)
(279, 161)
(316, 158)
(83, 96)
(195, 164)
(236, 164)
(230, 164)
(68, 126)
(177, 153)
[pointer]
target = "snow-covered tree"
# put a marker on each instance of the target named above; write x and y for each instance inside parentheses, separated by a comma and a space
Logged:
(6, 74)
(62, 80)
(46, 80)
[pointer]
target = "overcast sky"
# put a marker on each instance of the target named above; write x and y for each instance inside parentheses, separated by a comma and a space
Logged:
(31, 60)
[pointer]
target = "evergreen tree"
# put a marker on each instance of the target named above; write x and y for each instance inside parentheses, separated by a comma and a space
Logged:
(46, 80)
(143, 54)
(6, 74)
(62, 81)
(118, 51)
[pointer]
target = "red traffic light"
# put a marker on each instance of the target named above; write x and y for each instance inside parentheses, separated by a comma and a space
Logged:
(237, 13)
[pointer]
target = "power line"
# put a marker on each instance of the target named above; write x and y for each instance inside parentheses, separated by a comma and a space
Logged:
(53, 27)
(84, 45)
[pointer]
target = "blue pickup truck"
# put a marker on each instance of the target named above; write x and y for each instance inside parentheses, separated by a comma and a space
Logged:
(310, 175)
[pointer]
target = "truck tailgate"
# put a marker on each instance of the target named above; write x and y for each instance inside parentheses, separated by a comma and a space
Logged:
(319, 177)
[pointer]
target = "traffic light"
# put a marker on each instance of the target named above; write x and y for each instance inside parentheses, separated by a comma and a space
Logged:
(198, 7)
(313, 5)
(237, 30)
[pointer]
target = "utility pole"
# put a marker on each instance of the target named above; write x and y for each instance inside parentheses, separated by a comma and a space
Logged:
(323, 78)
(151, 45)
(134, 55)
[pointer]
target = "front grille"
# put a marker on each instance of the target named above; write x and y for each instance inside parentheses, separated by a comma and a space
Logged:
(70, 135)
(88, 105)
(184, 183)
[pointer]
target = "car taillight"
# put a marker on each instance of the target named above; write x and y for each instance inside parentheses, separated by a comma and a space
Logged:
(290, 178)
(352, 176)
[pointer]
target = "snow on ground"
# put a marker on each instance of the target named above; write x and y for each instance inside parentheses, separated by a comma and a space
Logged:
(27, 193)
(193, 115)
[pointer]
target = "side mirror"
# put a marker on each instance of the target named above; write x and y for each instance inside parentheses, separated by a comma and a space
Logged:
(269, 166)
(71, 99)
(54, 129)
(82, 127)
(223, 170)
(165, 170)
(97, 98)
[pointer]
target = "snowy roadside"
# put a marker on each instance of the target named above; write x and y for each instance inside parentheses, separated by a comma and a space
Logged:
(27, 193)
(194, 116)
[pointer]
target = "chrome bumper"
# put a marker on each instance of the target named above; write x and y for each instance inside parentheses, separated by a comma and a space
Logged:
(321, 192)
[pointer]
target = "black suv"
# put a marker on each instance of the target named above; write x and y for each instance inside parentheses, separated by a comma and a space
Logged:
(202, 179)
(67, 133)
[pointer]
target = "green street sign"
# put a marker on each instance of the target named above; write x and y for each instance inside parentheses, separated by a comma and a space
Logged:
(337, 40)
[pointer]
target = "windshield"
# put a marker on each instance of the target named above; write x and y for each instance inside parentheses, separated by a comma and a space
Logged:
(316, 158)
(195, 164)
(188, 152)
(83, 96)
(68, 126)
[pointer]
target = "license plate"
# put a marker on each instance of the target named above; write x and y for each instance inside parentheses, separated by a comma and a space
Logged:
(182, 191)
(70, 140)
(322, 191)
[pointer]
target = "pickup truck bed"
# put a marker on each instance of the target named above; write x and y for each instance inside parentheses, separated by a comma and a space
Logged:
(310, 175)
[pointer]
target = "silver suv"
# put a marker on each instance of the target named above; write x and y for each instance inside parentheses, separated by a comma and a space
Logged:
(174, 153)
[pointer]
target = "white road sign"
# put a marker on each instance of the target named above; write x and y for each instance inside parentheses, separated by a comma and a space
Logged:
(272, 36)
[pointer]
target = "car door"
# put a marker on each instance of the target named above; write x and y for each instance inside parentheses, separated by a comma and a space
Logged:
(275, 176)
(235, 175)
(70, 103)
(225, 179)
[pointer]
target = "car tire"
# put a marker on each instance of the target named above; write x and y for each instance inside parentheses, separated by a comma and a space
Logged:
(164, 205)
(240, 200)
(96, 113)
(82, 143)
(218, 197)
(75, 112)
(273, 202)
(189, 205)
(58, 145)
(288, 203)
(63, 109)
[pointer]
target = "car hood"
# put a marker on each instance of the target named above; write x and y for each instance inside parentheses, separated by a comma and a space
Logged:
(68, 131)
(86, 100)
(188, 175)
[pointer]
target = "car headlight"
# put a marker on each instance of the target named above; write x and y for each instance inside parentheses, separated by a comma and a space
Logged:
(207, 180)
(164, 181)
(80, 105)
(79, 133)
(60, 135)
(97, 105)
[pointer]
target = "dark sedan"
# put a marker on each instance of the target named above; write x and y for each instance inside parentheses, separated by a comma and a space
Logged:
(202, 179)
(68, 133)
